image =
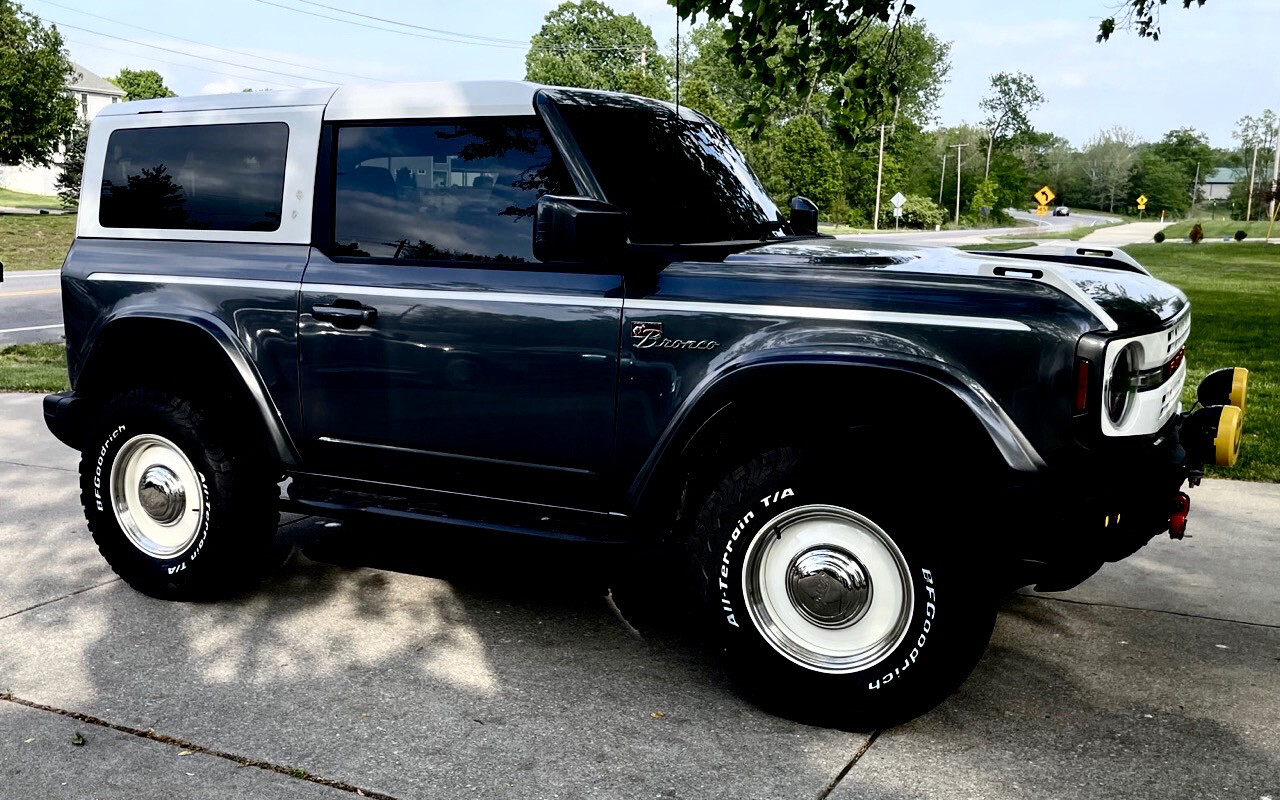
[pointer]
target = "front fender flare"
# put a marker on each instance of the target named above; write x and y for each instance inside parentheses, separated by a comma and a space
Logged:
(708, 397)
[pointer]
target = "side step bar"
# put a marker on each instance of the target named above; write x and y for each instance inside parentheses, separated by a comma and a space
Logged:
(328, 496)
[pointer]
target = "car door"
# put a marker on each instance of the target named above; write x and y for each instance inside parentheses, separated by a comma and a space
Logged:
(435, 350)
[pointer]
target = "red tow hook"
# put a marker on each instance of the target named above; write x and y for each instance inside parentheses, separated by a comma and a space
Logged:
(1178, 519)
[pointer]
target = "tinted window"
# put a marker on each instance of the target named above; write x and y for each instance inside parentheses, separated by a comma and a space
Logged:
(462, 192)
(678, 179)
(200, 177)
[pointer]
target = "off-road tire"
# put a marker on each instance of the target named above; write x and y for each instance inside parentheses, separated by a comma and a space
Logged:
(954, 604)
(234, 545)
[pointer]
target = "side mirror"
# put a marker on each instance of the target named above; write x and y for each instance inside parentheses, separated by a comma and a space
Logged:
(804, 216)
(577, 229)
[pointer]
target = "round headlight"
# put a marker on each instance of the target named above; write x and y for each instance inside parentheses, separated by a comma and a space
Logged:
(1122, 384)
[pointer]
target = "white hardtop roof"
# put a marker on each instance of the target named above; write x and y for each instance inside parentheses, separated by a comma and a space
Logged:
(443, 99)
(378, 101)
(219, 102)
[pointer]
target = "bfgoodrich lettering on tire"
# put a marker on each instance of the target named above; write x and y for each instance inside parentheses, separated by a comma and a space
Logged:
(835, 598)
(175, 499)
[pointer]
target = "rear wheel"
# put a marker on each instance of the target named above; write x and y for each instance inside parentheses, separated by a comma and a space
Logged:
(177, 499)
(838, 600)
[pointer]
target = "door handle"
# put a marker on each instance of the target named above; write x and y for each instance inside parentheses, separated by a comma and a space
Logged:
(350, 314)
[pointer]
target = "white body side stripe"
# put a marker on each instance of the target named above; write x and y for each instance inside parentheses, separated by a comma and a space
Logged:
(192, 280)
(839, 314)
(674, 306)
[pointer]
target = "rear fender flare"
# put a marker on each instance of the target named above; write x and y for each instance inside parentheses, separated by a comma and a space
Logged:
(225, 340)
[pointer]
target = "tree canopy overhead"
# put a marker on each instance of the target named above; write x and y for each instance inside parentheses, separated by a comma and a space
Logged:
(35, 109)
(791, 46)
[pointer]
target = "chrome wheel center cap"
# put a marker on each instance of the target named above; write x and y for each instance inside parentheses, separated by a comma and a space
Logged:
(829, 586)
(161, 494)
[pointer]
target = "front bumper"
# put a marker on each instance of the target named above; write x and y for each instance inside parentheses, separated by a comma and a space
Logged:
(1104, 503)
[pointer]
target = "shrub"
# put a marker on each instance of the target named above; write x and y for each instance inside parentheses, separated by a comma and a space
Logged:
(1159, 237)
(1240, 236)
(1197, 233)
(919, 212)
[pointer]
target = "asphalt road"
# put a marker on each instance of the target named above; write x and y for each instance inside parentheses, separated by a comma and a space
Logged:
(30, 307)
(1045, 225)
(414, 666)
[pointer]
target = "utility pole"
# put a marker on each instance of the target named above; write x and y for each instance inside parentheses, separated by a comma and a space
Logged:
(1195, 186)
(1275, 179)
(957, 147)
(1253, 181)
(942, 179)
(875, 221)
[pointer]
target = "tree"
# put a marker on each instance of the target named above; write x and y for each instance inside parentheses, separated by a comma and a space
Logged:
(68, 182)
(807, 165)
(1142, 15)
(1013, 96)
(1166, 186)
(591, 46)
(142, 84)
(985, 196)
(1186, 149)
(35, 109)
(1108, 161)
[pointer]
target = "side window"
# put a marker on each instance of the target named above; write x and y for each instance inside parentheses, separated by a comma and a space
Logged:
(195, 177)
(456, 192)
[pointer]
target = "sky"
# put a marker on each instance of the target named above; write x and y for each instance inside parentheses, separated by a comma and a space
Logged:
(1211, 66)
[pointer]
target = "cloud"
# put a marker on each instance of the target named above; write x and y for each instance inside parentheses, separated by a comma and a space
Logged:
(223, 87)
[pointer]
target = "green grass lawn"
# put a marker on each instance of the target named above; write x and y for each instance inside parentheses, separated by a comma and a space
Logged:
(1235, 322)
(1217, 228)
(13, 199)
(33, 241)
(33, 368)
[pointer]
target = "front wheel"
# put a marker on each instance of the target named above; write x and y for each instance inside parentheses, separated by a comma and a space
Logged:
(837, 599)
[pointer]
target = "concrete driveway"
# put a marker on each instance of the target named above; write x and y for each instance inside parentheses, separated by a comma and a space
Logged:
(397, 666)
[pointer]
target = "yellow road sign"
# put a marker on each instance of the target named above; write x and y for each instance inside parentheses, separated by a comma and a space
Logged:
(1142, 200)
(1044, 196)
(1042, 211)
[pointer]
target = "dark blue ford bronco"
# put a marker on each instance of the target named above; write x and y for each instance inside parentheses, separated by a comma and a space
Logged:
(579, 315)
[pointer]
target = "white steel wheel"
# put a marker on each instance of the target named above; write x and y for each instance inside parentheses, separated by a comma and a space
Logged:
(828, 589)
(156, 496)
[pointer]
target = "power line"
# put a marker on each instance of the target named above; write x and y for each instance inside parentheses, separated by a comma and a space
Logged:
(100, 46)
(417, 27)
(388, 30)
(211, 46)
(193, 55)
(506, 44)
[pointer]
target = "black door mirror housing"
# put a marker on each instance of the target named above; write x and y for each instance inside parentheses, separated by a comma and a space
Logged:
(804, 216)
(577, 229)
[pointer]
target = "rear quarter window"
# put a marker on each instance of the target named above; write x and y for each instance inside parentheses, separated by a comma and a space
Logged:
(195, 177)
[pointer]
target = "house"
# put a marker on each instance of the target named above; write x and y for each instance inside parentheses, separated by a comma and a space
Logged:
(92, 93)
(1216, 184)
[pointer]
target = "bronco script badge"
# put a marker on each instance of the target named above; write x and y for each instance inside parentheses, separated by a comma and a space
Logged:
(648, 335)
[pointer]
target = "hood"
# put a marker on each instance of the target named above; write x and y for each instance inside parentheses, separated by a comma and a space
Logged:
(1119, 298)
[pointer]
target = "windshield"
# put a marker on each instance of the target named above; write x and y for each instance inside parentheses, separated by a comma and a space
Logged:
(680, 181)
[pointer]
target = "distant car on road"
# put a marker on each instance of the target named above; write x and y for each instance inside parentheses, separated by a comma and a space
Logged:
(1062, 211)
